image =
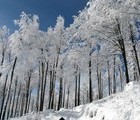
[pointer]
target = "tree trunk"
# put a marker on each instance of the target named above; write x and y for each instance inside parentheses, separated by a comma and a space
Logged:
(50, 89)
(67, 104)
(17, 102)
(32, 105)
(60, 94)
(27, 92)
(3, 55)
(114, 76)
(13, 102)
(109, 80)
(4, 95)
(79, 82)
(90, 81)
(76, 87)
(9, 107)
(43, 86)
(29, 101)
(121, 79)
(64, 94)
(22, 104)
(38, 91)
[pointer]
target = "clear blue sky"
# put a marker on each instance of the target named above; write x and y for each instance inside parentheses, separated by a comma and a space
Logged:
(47, 10)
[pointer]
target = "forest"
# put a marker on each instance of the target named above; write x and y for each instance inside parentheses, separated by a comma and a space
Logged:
(64, 67)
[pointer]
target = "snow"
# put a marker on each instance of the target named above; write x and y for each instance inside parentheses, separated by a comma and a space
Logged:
(121, 106)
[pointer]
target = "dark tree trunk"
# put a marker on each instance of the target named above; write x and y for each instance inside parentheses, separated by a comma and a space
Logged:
(90, 81)
(38, 91)
(9, 107)
(109, 80)
(126, 68)
(76, 87)
(121, 79)
(4, 95)
(28, 82)
(99, 83)
(22, 104)
(87, 100)
(114, 76)
(44, 77)
(29, 101)
(60, 94)
(67, 104)
(42, 86)
(13, 102)
(64, 92)
(3, 55)
(79, 82)
(50, 89)
(17, 102)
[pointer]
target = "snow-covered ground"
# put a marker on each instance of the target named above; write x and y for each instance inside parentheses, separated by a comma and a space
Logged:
(122, 106)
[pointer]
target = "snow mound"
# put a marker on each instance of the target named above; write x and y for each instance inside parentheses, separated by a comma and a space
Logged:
(122, 106)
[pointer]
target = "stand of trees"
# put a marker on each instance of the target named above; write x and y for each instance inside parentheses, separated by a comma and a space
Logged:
(65, 67)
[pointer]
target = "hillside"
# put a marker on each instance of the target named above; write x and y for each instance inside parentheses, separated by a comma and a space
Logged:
(122, 106)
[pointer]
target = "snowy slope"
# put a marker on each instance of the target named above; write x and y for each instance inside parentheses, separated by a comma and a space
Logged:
(122, 106)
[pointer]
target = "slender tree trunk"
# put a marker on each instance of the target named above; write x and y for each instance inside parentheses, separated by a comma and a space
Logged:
(99, 83)
(17, 102)
(44, 78)
(67, 104)
(4, 95)
(29, 101)
(27, 92)
(87, 100)
(53, 90)
(60, 94)
(121, 79)
(64, 94)
(13, 102)
(32, 105)
(114, 76)
(76, 87)
(9, 107)
(22, 104)
(90, 81)
(3, 55)
(38, 91)
(42, 86)
(79, 82)
(109, 80)
(50, 89)
(126, 68)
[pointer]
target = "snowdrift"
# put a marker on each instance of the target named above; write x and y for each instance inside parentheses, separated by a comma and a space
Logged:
(122, 106)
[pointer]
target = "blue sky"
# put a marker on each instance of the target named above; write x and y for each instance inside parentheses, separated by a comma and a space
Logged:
(47, 10)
